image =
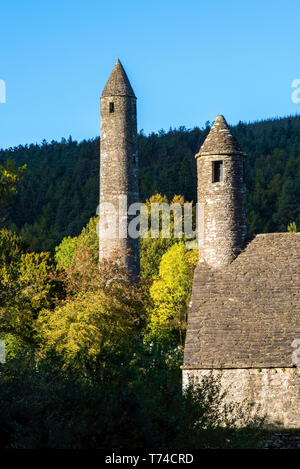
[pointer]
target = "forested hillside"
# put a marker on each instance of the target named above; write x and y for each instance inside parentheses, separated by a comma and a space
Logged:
(59, 192)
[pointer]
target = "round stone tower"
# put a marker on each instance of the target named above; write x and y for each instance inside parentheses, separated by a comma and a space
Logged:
(221, 197)
(118, 169)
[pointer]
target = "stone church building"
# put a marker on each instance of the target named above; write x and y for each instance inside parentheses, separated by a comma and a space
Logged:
(244, 318)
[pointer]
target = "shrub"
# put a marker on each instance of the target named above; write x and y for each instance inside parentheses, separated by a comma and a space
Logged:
(135, 402)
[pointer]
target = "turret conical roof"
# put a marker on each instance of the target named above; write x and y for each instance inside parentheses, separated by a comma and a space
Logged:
(219, 141)
(118, 83)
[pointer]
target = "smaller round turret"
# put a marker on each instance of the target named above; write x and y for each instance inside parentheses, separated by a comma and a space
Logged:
(221, 197)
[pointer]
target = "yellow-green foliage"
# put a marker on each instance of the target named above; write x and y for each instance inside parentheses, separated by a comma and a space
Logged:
(170, 294)
(292, 228)
(25, 288)
(11, 247)
(88, 322)
(192, 258)
(33, 278)
(27, 281)
(9, 178)
(89, 237)
(152, 249)
(64, 253)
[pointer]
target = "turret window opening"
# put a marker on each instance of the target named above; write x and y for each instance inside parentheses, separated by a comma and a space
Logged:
(218, 171)
(111, 107)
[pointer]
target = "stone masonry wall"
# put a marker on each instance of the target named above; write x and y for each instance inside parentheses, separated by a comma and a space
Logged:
(223, 204)
(276, 390)
(118, 174)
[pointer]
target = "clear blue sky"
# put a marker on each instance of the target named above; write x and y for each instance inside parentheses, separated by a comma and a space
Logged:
(187, 60)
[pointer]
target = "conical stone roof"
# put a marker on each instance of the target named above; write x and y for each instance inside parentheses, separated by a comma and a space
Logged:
(118, 83)
(219, 141)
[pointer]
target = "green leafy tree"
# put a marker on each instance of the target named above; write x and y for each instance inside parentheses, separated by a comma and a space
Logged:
(152, 249)
(87, 323)
(116, 400)
(10, 177)
(25, 288)
(66, 251)
(12, 247)
(170, 294)
(292, 227)
(101, 307)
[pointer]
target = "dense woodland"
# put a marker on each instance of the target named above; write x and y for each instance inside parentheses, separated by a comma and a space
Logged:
(92, 359)
(59, 192)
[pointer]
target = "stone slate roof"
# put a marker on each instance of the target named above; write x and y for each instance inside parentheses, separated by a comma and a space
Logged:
(219, 140)
(248, 314)
(118, 83)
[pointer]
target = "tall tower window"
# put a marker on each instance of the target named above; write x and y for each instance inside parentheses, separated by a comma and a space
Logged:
(218, 171)
(111, 107)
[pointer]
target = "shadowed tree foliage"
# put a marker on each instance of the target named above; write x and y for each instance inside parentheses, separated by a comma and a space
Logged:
(25, 289)
(10, 177)
(116, 400)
